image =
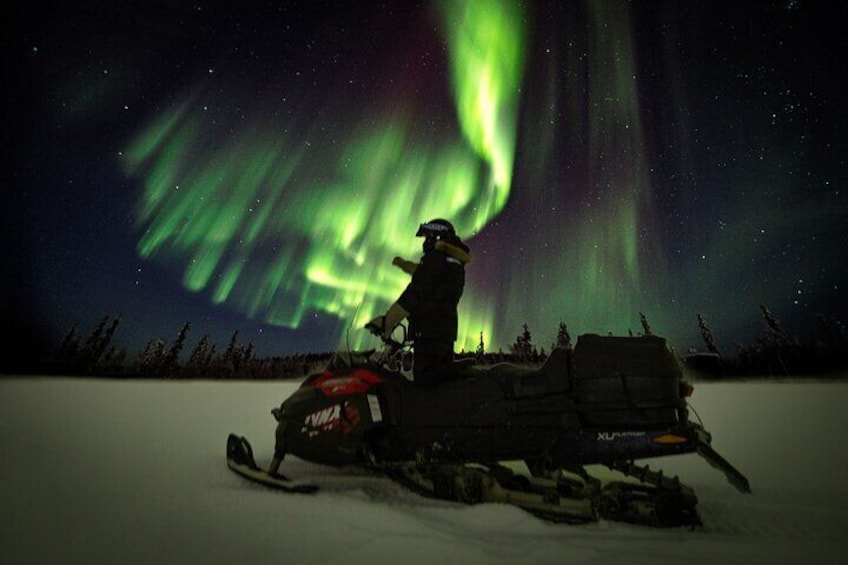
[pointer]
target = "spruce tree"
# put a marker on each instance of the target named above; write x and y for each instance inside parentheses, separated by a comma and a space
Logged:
(563, 337)
(707, 335)
(645, 327)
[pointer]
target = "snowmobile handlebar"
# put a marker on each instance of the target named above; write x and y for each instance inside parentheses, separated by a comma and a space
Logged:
(391, 344)
(392, 354)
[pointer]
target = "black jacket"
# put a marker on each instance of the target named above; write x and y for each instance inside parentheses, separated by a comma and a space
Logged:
(432, 295)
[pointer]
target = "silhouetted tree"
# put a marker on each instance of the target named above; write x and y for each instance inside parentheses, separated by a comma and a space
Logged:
(707, 335)
(774, 331)
(113, 360)
(170, 362)
(152, 359)
(230, 352)
(69, 346)
(201, 357)
(645, 327)
(86, 355)
(523, 346)
(481, 348)
(563, 338)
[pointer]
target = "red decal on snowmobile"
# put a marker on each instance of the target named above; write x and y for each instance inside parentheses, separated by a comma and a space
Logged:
(322, 420)
(343, 419)
(351, 419)
(339, 385)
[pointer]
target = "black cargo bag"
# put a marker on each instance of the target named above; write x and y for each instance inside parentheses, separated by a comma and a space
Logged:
(626, 382)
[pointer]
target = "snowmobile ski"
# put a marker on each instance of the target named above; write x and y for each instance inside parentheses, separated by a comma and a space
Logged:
(734, 477)
(240, 460)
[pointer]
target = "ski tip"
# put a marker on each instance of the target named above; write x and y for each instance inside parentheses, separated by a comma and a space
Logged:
(240, 451)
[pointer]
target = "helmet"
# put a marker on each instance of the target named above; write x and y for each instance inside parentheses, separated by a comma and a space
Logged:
(437, 229)
(434, 231)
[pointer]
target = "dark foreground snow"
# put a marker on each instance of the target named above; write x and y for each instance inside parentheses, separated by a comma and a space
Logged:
(134, 472)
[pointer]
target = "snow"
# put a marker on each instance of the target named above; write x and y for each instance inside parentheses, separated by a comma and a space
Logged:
(98, 471)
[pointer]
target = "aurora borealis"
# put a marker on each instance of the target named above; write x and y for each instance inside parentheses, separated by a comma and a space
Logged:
(258, 167)
(278, 225)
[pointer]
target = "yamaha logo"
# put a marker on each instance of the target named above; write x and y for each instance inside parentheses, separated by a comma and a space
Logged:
(337, 418)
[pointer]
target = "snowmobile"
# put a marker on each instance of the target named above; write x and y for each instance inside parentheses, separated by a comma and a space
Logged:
(505, 433)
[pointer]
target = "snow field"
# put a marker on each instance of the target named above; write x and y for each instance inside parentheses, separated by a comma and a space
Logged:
(97, 471)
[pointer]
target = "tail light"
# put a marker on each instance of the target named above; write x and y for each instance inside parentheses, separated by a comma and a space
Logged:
(686, 389)
(669, 439)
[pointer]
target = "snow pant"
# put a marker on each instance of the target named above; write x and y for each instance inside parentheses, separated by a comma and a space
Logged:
(431, 359)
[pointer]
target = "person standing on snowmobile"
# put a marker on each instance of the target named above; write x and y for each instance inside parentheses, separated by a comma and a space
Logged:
(430, 299)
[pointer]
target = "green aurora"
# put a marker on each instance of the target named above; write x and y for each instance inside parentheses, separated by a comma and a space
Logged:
(285, 215)
(256, 167)
(280, 227)
(591, 264)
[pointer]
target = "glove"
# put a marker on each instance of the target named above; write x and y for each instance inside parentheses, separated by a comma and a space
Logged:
(377, 325)
(384, 325)
(407, 267)
(393, 317)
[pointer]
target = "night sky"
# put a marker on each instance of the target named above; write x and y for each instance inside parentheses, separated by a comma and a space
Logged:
(255, 166)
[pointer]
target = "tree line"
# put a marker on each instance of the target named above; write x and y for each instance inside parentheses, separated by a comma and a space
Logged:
(776, 353)
(96, 355)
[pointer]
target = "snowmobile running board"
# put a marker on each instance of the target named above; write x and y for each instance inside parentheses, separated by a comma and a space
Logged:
(240, 459)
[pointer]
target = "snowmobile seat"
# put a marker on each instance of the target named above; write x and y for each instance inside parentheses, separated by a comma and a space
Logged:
(463, 368)
(553, 377)
(454, 401)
